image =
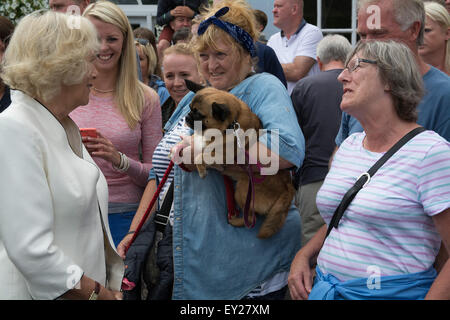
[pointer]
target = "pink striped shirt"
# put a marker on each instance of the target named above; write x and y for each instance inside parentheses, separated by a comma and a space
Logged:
(102, 114)
(388, 224)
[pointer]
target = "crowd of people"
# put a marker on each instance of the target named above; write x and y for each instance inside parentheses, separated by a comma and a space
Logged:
(93, 118)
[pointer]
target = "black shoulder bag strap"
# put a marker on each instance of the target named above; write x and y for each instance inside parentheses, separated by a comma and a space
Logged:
(162, 215)
(365, 178)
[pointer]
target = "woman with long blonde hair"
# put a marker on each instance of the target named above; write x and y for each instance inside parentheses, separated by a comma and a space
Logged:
(126, 114)
(436, 47)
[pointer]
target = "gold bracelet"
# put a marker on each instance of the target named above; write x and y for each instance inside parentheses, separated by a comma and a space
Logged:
(95, 292)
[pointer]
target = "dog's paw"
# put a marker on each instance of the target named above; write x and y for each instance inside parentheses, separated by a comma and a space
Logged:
(236, 221)
(265, 233)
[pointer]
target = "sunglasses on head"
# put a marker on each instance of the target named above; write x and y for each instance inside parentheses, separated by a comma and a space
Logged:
(144, 42)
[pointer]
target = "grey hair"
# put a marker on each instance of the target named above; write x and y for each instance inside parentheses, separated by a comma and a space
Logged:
(406, 12)
(398, 69)
(333, 47)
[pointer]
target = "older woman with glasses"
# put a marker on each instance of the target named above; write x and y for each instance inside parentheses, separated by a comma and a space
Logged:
(388, 237)
(213, 259)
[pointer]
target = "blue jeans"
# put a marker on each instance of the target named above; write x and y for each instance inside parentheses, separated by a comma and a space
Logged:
(119, 224)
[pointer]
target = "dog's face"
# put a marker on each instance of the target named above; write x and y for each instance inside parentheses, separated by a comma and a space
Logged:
(214, 108)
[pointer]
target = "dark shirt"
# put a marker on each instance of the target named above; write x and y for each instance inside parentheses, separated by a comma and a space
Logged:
(163, 15)
(316, 101)
(167, 109)
(5, 101)
(268, 62)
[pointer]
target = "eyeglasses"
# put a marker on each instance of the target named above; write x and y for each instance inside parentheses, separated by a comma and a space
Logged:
(144, 42)
(355, 64)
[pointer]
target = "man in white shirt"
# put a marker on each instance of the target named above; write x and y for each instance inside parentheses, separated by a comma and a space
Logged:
(295, 46)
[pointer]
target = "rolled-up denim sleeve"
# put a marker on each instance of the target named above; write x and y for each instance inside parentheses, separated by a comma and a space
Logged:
(269, 100)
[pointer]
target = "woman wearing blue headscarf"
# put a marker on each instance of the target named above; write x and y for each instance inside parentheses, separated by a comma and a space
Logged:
(212, 259)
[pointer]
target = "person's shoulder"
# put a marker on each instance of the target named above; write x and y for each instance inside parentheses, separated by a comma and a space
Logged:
(19, 122)
(430, 144)
(312, 30)
(319, 80)
(276, 37)
(432, 138)
(309, 26)
(149, 93)
(437, 80)
(262, 81)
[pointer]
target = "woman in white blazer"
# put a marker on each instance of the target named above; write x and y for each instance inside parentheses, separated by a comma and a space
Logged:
(54, 234)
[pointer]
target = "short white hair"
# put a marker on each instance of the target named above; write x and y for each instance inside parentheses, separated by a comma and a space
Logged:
(333, 47)
(47, 51)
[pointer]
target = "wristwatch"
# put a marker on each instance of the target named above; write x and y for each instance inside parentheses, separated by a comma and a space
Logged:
(94, 294)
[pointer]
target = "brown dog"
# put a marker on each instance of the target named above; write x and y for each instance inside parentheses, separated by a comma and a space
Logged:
(221, 110)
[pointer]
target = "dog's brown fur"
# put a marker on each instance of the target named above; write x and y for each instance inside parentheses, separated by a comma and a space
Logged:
(218, 109)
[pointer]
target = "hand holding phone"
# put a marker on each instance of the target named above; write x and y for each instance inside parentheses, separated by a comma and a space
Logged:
(88, 132)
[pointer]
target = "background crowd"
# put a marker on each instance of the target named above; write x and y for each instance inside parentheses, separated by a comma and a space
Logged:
(90, 118)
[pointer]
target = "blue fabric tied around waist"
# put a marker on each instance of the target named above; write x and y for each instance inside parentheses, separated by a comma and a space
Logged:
(412, 286)
(240, 35)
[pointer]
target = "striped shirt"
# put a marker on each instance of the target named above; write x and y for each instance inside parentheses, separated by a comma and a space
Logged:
(161, 157)
(388, 226)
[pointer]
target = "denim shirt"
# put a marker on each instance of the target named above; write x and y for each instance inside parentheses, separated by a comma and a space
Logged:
(212, 259)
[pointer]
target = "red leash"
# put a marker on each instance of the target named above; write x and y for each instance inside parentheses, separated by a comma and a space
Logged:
(150, 206)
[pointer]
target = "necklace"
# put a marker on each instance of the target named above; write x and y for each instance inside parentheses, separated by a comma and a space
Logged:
(103, 91)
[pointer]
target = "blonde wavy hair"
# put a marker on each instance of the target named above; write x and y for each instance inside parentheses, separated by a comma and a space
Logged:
(46, 51)
(130, 92)
(182, 49)
(149, 52)
(440, 15)
(241, 15)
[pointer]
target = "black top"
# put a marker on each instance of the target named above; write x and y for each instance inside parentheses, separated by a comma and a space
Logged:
(316, 101)
(167, 108)
(5, 101)
(163, 15)
(268, 62)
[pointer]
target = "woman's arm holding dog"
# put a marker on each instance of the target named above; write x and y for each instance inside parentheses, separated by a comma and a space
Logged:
(262, 159)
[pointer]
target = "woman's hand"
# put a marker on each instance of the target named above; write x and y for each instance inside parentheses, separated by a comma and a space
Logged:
(122, 246)
(110, 295)
(103, 148)
(183, 152)
(300, 278)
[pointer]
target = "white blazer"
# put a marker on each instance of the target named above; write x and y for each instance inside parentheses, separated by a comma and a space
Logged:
(53, 209)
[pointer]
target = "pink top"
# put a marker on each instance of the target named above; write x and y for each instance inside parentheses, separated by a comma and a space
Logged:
(101, 113)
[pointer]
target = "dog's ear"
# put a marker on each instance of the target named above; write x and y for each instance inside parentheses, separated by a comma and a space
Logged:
(220, 111)
(192, 86)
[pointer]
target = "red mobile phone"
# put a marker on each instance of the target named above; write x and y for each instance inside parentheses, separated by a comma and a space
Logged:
(88, 132)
